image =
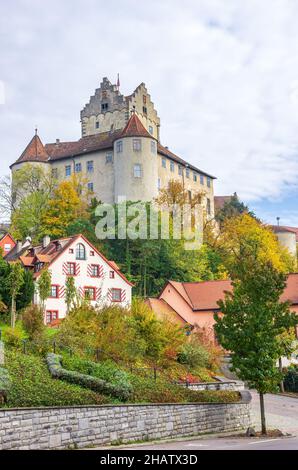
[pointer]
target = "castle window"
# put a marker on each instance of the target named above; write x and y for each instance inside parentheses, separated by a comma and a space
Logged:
(119, 146)
(189, 196)
(187, 172)
(109, 157)
(137, 170)
(195, 177)
(158, 184)
(97, 125)
(208, 206)
(90, 166)
(78, 167)
(90, 187)
(180, 170)
(137, 145)
(153, 146)
(151, 129)
(201, 179)
(144, 110)
(68, 170)
(104, 106)
(55, 173)
(164, 163)
(208, 182)
(80, 251)
(172, 166)
(144, 99)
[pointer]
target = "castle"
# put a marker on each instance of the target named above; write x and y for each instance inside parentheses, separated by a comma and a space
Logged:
(119, 151)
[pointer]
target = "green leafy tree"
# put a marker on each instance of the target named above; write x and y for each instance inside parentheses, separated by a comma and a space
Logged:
(44, 286)
(15, 280)
(232, 208)
(71, 294)
(25, 296)
(252, 322)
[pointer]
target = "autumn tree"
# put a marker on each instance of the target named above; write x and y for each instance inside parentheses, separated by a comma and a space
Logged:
(71, 294)
(15, 281)
(44, 286)
(232, 208)
(253, 321)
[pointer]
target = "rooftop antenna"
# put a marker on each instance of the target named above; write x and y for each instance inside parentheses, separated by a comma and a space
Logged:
(278, 219)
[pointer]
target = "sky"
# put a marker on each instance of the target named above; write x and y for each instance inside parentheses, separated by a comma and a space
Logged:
(223, 75)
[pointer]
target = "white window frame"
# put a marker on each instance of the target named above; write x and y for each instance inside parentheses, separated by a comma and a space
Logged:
(137, 170)
(137, 145)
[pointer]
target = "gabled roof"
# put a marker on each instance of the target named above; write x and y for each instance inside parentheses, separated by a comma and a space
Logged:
(285, 228)
(134, 128)
(35, 151)
(163, 310)
(204, 295)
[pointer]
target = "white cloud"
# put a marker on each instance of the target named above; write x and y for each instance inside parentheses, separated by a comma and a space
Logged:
(222, 73)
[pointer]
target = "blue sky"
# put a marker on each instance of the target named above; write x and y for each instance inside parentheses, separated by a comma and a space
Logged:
(223, 75)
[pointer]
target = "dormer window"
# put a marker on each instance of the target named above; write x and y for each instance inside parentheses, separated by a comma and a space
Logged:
(80, 251)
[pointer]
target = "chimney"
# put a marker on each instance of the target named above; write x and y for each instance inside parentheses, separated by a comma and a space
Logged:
(46, 241)
(57, 141)
(19, 246)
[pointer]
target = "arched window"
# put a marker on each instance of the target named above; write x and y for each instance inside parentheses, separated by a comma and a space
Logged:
(80, 251)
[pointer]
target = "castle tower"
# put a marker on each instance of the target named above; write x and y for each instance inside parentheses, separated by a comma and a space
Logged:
(108, 110)
(136, 164)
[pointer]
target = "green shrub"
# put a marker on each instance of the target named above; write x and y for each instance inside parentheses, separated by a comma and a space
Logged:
(5, 383)
(14, 337)
(88, 381)
(291, 379)
(33, 321)
(194, 355)
(32, 385)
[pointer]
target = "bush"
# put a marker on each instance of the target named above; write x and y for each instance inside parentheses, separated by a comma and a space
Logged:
(14, 337)
(88, 381)
(194, 355)
(33, 321)
(291, 380)
(5, 384)
(32, 385)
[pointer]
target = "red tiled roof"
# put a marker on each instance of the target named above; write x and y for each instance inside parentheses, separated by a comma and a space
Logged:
(205, 295)
(35, 151)
(134, 128)
(285, 228)
(219, 201)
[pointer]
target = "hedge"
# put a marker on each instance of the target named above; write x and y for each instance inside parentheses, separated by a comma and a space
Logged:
(87, 381)
(291, 380)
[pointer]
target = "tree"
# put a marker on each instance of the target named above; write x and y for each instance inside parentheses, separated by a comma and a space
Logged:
(27, 218)
(25, 296)
(66, 205)
(16, 280)
(44, 286)
(70, 293)
(252, 322)
(232, 208)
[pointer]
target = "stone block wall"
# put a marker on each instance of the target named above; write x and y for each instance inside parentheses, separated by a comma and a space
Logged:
(83, 426)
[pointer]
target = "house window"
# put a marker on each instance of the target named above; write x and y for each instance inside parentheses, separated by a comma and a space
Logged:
(208, 182)
(137, 170)
(80, 251)
(195, 177)
(151, 130)
(208, 206)
(90, 166)
(55, 173)
(112, 274)
(116, 295)
(71, 269)
(172, 166)
(97, 125)
(104, 106)
(90, 187)
(164, 163)
(109, 157)
(95, 270)
(144, 110)
(119, 146)
(78, 167)
(180, 170)
(51, 315)
(67, 170)
(187, 172)
(90, 293)
(201, 179)
(137, 145)
(54, 291)
(70, 250)
(153, 146)
(91, 253)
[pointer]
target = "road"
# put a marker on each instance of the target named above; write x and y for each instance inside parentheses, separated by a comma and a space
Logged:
(281, 413)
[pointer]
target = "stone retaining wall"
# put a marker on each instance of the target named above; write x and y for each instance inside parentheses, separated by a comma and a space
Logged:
(82, 426)
(233, 385)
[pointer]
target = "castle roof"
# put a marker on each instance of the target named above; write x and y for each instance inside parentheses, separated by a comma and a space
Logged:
(35, 151)
(134, 128)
